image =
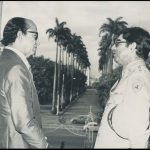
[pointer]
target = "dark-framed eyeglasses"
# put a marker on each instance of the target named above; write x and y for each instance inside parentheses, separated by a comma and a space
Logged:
(117, 42)
(35, 34)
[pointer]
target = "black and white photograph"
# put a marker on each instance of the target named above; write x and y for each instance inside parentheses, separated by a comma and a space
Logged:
(74, 74)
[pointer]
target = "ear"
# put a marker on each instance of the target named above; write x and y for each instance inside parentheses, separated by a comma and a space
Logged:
(19, 35)
(133, 47)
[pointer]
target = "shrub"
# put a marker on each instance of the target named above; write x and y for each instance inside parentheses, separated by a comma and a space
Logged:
(43, 75)
(43, 72)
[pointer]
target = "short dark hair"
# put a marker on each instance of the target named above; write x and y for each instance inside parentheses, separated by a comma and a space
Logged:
(11, 29)
(141, 37)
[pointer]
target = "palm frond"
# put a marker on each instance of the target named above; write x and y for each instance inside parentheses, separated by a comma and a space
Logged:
(117, 19)
(123, 23)
(57, 22)
(49, 30)
(110, 21)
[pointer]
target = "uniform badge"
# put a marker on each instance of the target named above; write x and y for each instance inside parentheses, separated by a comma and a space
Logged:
(137, 86)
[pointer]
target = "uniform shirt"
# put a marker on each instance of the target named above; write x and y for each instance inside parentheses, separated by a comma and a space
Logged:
(130, 118)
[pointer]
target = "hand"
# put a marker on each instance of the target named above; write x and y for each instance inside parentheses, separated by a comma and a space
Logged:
(50, 146)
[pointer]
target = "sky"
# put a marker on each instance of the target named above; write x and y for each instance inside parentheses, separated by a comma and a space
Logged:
(83, 18)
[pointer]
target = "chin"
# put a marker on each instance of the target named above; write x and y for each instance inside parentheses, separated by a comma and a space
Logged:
(117, 61)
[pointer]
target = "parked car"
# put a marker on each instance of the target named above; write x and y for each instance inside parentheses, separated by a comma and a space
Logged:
(79, 119)
(91, 126)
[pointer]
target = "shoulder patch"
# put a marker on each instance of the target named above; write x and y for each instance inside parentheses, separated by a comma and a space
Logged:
(137, 85)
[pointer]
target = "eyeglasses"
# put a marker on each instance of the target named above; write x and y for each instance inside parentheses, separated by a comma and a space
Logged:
(35, 34)
(118, 42)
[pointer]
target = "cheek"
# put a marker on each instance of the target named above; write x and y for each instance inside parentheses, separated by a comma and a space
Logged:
(124, 57)
(118, 53)
(121, 52)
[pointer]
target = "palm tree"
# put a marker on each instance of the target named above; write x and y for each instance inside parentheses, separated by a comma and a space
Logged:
(56, 33)
(112, 28)
(103, 49)
(83, 63)
(75, 43)
(75, 54)
(66, 34)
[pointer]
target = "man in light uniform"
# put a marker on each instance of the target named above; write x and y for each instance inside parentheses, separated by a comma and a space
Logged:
(125, 121)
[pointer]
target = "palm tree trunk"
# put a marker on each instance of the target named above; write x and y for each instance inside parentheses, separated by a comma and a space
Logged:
(104, 71)
(73, 74)
(71, 90)
(69, 76)
(65, 78)
(69, 64)
(110, 56)
(55, 83)
(58, 83)
(62, 85)
(78, 78)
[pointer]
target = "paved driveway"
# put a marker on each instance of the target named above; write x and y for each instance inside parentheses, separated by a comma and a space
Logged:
(71, 135)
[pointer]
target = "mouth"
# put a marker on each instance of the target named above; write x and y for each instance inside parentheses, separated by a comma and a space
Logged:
(34, 48)
(114, 54)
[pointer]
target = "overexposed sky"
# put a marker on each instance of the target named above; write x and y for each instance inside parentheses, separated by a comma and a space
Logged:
(83, 18)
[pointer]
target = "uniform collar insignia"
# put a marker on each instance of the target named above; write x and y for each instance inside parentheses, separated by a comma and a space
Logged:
(131, 67)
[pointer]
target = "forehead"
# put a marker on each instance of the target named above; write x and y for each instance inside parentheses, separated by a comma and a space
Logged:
(31, 25)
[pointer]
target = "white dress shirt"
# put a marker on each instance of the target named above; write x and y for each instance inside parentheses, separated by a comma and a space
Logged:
(21, 55)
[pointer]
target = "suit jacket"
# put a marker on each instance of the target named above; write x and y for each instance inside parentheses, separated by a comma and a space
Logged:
(20, 120)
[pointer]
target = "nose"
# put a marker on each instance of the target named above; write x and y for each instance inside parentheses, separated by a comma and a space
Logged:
(113, 48)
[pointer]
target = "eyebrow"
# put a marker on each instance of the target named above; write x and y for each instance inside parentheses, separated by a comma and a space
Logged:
(118, 40)
(33, 32)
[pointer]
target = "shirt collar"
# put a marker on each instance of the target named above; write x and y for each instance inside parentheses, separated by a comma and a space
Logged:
(131, 67)
(21, 55)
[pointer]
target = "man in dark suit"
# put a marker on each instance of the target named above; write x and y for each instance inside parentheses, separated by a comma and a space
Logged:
(20, 120)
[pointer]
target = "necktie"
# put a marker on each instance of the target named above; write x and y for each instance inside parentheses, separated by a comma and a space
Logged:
(30, 70)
